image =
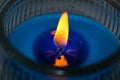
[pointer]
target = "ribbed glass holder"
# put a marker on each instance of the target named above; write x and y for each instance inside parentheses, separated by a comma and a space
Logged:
(14, 66)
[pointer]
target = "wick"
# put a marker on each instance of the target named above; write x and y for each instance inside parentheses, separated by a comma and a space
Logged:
(60, 52)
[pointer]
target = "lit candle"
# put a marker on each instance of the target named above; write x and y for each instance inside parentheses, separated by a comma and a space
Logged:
(85, 44)
(63, 55)
(61, 39)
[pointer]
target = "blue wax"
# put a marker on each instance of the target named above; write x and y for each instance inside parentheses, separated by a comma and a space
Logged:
(102, 43)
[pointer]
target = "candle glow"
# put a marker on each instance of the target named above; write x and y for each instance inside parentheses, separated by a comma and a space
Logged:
(62, 32)
(62, 62)
(61, 39)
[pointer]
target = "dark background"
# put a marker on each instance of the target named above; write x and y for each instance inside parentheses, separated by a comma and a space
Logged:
(1, 1)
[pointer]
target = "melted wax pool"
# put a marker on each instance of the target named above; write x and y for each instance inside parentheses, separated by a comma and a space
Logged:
(75, 52)
(101, 42)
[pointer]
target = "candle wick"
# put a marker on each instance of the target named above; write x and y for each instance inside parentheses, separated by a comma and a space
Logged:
(60, 52)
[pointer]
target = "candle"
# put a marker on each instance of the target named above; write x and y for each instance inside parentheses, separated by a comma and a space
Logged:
(59, 48)
(89, 50)
(92, 40)
(61, 39)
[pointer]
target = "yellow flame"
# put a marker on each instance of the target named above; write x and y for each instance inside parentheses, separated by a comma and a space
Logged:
(62, 32)
(62, 62)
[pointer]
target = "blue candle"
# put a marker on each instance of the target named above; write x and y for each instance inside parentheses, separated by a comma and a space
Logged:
(92, 40)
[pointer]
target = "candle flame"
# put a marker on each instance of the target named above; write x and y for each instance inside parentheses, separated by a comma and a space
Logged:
(62, 62)
(62, 32)
(61, 39)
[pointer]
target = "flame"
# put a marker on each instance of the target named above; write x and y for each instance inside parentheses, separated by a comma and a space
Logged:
(62, 32)
(62, 62)
(61, 39)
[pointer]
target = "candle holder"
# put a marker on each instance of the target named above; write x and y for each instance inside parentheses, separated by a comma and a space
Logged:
(94, 24)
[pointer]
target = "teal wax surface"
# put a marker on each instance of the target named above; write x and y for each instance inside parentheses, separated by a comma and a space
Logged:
(102, 43)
